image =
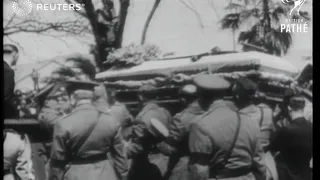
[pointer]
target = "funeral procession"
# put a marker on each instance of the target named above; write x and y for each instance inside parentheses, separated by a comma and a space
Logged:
(157, 90)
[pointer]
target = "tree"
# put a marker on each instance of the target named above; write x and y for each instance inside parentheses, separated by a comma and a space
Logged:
(263, 18)
(148, 21)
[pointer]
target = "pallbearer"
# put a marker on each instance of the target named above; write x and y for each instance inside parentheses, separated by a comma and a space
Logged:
(176, 145)
(146, 162)
(83, 138)
(223, 142)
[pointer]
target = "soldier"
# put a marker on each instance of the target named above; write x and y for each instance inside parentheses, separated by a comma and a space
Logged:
(145, 136)
(245, 92)
(83, 138)
(294, 143)
(17, 161)
(176, 145)
(121, 112)
(223, 142)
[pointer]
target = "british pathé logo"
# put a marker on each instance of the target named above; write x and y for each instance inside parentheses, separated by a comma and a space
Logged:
(295, 25)
(297, 5)
(22, 7)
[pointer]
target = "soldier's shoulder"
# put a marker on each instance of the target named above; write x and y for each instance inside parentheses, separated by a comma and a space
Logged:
(13, 135)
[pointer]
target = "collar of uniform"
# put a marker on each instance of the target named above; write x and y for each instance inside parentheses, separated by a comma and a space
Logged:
(248, 109)
(220, 103)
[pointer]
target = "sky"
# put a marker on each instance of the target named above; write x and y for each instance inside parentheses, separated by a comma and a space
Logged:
(174, 28)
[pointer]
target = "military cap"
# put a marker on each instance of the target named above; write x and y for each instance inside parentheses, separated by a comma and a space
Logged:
(72, 85)
(147, 88)
(211, 82)
(158, 128)
(188, 89)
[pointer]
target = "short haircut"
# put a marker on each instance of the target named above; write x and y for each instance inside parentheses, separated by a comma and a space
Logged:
(85, 65)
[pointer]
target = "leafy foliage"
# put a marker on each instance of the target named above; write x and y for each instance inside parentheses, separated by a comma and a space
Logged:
(262, 19)
(132, 55)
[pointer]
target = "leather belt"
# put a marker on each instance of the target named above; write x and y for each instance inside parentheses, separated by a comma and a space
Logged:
(231, 173)
(89, 160)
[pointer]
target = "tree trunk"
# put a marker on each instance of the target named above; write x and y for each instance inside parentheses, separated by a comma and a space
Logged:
(92, 17)
(124, 5)
(148, 21)
(266, 18)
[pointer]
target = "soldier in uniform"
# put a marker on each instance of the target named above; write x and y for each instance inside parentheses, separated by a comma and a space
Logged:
(83, 138)
(294, 143)
(17, 163)
(223, 142)
(245, 92)
(176, 145)
(145, 136)
(121, 112)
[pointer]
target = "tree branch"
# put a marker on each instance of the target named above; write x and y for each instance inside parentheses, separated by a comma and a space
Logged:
(75, 27)
(195, 12)
(148, 21)
(124, 5)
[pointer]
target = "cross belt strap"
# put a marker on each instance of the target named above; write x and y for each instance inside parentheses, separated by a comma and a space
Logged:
(85, 138)
(236, 135)
(230, 150)
(262, 117)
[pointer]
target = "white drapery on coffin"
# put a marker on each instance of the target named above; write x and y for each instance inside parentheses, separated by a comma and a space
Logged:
(225, 63)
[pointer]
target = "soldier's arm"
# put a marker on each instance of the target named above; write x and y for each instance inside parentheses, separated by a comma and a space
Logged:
(176, 134)
(58, 153)
(24, 164)
(118, 155)
(200, 147)
(258, 163)
(135, 145)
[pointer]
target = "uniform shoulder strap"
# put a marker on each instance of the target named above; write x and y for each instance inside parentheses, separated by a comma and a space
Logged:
(262, 116)
(235, 137)
(87, 135)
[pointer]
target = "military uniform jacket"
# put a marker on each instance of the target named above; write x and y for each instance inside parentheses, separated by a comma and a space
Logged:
(68, 146)
(263, 115)
(17, 160)
(142, 131)
(179, 129)
(121, 112)
(211, 137)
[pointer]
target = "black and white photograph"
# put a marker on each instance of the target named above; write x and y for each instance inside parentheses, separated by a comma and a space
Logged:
(158, 89)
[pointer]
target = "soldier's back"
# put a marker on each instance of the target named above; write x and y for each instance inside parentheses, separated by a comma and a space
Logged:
(91, 135)
(220, 124)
